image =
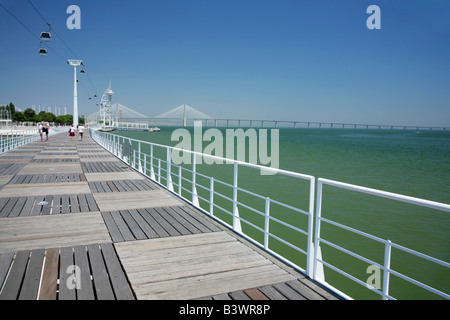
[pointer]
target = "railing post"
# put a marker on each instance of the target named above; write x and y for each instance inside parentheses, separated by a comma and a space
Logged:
(179, 180)
(310, 248)
(152, 170)
(159, 170)
(266, 223)
(236, 221)
(139, 157)
(169, 171)
(211, 196)
(194, 186)
(318, 273)
(387, 265)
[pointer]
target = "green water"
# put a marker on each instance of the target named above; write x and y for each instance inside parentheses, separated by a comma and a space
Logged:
(402, 161)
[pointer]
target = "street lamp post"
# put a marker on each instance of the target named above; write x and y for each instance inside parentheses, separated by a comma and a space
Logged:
(75, 64)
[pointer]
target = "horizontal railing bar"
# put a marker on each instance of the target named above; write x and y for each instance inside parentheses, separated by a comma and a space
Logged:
(355, 255)
(290, 207)
(420, 284)
(337, 224)
(227, 160)
(388, 195)
(288, 244)
(288, 225)
(421, 255)
(349, 276)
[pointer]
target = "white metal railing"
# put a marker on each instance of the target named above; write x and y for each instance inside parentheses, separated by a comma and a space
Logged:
(13, 139)
(174, 178)
(386, 266)
(163, 171)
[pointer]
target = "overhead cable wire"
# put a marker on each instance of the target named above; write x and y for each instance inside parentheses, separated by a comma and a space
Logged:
(65, 44)
(32, 33)
(53, 30)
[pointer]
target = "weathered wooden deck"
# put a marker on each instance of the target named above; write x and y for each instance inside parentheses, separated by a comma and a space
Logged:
(65, 204)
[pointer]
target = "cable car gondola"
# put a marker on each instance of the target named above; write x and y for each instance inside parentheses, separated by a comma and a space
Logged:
(82, 71)
(42, 51)
(46, 35)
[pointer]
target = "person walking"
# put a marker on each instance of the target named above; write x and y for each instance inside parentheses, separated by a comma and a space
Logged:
(72, 132)
(80, 132)
(40, 130)
(46, 129)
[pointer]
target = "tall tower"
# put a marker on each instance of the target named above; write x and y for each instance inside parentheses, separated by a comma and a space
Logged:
(109, 93)
(75, 64)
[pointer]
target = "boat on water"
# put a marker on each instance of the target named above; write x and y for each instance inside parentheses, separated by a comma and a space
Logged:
(154, 129)
(107, 129)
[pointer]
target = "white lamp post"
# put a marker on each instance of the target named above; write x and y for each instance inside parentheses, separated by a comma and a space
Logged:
(75, 64)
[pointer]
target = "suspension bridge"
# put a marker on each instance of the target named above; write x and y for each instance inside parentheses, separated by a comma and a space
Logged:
(185, 115)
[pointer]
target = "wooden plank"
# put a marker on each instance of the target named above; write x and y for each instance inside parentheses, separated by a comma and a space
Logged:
(44, 189)
(74, 208)
(304, 290)
(56, 208)
(132, 225)
(65, 203)
(46, 208)
(33, 168)
(134, 200)
(5, 263)
(99, 274)
(86, 291)
(160, 231)
(271, 293)
(26, 210)
(50, 275)
(201, 217)
(111, 186)
(3, 202)
(118, 280)
(209, 267)
(119, 186)
(17, 209)
(122, 226)
(288, 292)
(8, 207)
(239, 295)
(100, 176)
(162, 222)
(210, 283)
(66, 292)
(30, 286)
(114, 231)
(186, 220)
(36, 210)
(320, 290)
(182, 229)
(255, 294)
(12, 285)
(84, 207)
(91, 202)
(146, 228)
(221, 296)
(58, 230)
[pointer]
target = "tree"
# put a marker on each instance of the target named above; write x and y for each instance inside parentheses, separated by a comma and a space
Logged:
(47, 116)
(12, 108)
(18, 117)
(29, 114)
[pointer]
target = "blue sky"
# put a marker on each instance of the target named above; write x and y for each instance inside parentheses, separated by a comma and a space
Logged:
(250, 59)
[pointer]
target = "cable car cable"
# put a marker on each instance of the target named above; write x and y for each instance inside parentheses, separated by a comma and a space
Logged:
(32, 33)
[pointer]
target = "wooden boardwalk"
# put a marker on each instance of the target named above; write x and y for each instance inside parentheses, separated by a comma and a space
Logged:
(77, 223)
